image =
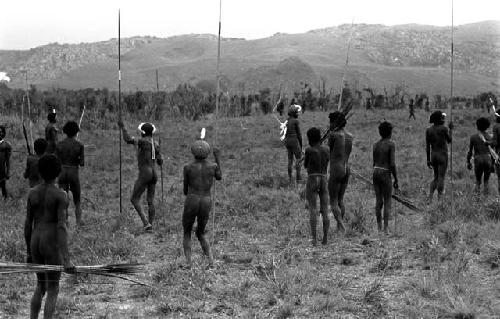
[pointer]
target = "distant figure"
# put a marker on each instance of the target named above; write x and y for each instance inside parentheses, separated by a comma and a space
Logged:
(293, 142)
(495, 143)
(31, 172)
(280, 107)
(148, 153)
(198, 180)
(368, 103)
(340, 144)
(384, 164)
(316, 162)
(5, 153)
(437, 138)
(483, 165)
(71, 153)
(427, 106)
(411, 108)
(46, 235)
(51, 132)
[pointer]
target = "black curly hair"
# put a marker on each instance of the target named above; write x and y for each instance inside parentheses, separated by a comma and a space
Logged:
(49, 167)
(313, 135)
(71, 128)
(385, 129)
(482, 123)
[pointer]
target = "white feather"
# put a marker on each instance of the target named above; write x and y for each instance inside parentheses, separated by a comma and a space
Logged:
(4, 77)
(202, 134)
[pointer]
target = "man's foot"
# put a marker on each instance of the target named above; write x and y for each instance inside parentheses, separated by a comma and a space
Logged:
(148, 228)
(340, 226)
(314, 242)
(324, 241)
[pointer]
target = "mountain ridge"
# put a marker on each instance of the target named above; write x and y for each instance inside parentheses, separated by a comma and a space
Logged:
(378, 53)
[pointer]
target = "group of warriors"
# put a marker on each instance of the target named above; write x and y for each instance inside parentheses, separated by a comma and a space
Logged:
(54, 171)
(331, 189)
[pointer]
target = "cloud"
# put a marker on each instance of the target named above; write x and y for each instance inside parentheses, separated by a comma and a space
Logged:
(4, 77)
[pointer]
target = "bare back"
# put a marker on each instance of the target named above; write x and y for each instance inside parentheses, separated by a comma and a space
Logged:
(47, 204)
(70, 152)
(338, 153)
(199, 177)
(383, 154)
(478, 145)
(437, 138)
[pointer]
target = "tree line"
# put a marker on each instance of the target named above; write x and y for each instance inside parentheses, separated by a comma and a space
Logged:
(195, 101)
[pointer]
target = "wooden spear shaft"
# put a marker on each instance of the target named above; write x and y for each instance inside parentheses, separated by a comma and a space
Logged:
(159, 142)
(29, 110)
(451, 111)
(217, 93)
(120, 109)
(345, 67)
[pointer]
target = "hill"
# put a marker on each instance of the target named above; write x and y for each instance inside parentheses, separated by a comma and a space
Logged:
(380, 56)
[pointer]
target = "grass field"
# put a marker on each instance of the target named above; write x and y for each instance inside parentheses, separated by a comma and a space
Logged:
(438, 264)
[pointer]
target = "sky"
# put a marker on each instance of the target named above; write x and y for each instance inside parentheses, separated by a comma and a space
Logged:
(29, 23)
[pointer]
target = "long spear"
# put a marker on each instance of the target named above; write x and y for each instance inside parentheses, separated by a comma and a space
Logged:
(345, 67)
(29, 110)
(23, 128)
(159, 142)
(120, 108)
(451, 110)
(216, 112)
(25, 134)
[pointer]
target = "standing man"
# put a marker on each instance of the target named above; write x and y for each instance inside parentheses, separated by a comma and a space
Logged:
(51, 132)
(495, 143)
(340, 144)
(316, 162)
(478, 146)
(437, 138)
(148, 152)
(412, 110)
(384, 165)
(5, 152)
(71, 153)
(293, 142)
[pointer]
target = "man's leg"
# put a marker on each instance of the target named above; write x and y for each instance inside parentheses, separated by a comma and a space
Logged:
(76, 191)
(139, 188)
(3, 186)
(486, 178)
(36, 300)
(434, 182)
(343, 188)
(334, 189)
(323, 209)
(387, 193)
(151, 202)
(290, 164)
(191, 205)
(311, 204)
(442, 168)
(298, 155)
(379, 202)
(203, 215)
(52, 293)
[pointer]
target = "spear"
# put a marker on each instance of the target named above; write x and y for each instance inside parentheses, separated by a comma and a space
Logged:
(120, 109)
(451, 110)
(216, 112)
(23, 127)
(29, 110)
(81, 119)
(159, 143)
(345, 67)
(25, 134)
